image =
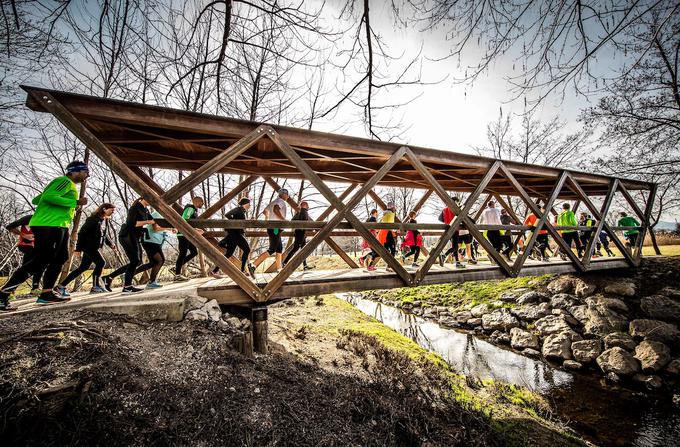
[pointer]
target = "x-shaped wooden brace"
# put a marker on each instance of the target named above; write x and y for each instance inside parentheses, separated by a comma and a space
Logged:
(542, 222)
(587, 256)
(584, 197)
(461, 216)
(644, 217)
(344, 212)
(143, 189)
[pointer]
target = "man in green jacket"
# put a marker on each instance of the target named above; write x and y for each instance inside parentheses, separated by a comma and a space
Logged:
(630, 235)
(53, 215)
(567, 219)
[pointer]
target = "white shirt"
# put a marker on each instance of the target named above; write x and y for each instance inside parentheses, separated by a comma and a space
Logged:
(282, 208)
(491, 216)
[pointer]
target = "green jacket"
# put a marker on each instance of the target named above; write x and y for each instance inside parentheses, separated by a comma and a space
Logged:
(56, 204)
(567, 219)
(628, 222)
(189, 212)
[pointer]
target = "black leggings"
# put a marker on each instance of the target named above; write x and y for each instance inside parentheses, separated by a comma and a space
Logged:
(390, 244)
(88, 257)
(231, 243)
(156, 260)
(50, 253)
(182, 258)
(133, 250)
(28, 253)
(298, 243)
(413, 250)
(572, 236)
(542, 243)
(454, 246)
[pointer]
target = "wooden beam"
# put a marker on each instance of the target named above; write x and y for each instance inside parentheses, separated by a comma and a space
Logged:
(144, 190)
(214, 165)
(587, 256)
(215, 207)
(649, 206)
(156, 187)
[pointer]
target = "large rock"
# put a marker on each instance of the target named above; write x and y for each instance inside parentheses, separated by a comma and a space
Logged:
(661, 307)
(670, 292)
(562, 284)
(618, 361)
(583, 289)
(580, 313)
(499, 319)
(655, 330)
(474, 322)
(463, 317)
(571, 364)
(479, 310)
(531, 312)
(532, 297)
(605, 315)
(520, 339)
(500, 337)
(552, 324)
(586, 351)
(567, 317)
(194, 302)
(622, 288)
(198, 315)
(619, 339)
(653, 355)
(557, 346)
(563, 301)
(650, 382)
(213, 310)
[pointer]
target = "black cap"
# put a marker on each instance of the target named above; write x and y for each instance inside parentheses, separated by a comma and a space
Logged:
(244, 201)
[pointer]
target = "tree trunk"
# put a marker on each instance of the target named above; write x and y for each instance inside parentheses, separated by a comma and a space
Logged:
(652, 235)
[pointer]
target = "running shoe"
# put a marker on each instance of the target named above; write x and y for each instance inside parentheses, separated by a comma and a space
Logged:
(36, 292)
(251, 269)
(472, 261)
(107, 283)
(307, 267)
(460, 265)
(128, 290)
(97, 289)
(361, 261)
(4, 303)
(180, 278)
(371, 268)
(441, 260)
(216, 275)
(51, 298)
(61, 290)
(415, 264)
(154, 285)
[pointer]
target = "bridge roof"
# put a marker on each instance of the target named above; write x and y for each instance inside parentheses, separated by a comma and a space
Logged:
(161, 137)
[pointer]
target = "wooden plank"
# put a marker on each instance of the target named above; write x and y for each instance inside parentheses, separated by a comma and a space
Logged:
(649, 206)
(214, 165)
(344, 212)
(144, 190)
(215, 207)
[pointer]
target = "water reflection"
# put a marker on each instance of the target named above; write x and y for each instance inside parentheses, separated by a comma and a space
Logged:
(465, 352)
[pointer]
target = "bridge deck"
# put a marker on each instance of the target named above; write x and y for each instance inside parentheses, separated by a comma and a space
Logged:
(315, 282)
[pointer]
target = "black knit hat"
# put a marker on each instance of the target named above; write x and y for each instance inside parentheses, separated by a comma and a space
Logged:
(244, 201)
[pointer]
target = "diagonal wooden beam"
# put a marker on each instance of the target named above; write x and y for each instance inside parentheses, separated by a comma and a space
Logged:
(344, 211)
(645, 223)
(215, 207)
(548, 226)
(152, 183)
(631, 202)
(123, 171)
(542, 219)
(481, 209)
(215, 164)
(573, 184)
(587, 256)
(461, 215)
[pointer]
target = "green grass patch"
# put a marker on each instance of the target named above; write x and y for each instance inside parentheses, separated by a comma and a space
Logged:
(469, 293)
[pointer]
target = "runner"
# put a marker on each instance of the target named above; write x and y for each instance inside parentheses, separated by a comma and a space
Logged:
(603, 241)
(542, 237)
(506, 235)
(300, 238)
(50, 222)
(364, 260)
(130, 236)
(386, 237)
(447, 216)
(413, 241)
(235, 238)
(492, 216)
(567, 219)
(90, 240)
(25, 246)
(152, 243)
(585, 220)
(184, 245)
(630, 235)
(275, 211)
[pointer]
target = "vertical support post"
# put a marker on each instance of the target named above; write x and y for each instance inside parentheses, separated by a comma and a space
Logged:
(260, 329)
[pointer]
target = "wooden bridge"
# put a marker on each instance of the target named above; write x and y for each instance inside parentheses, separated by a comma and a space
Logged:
(128, 136)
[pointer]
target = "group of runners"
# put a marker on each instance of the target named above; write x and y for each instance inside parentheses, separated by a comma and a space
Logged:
(43, 239)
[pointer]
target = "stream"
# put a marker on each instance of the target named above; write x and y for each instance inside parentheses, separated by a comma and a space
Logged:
(603, 414)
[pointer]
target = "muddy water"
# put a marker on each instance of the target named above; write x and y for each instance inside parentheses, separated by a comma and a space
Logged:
(605, 415)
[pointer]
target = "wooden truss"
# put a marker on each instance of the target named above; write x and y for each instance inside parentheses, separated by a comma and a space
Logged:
(344, 218)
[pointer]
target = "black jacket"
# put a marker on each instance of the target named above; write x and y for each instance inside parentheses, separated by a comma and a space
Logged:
(136, 213)
(238, 213)
(303, 214)
(91, 237)
(21, 222)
